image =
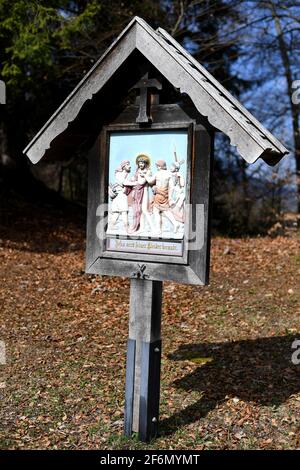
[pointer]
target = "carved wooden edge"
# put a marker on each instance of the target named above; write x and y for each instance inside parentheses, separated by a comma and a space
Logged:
(210, 102)
(210, 98)
(91, 84)
(223, 93)
(195, 267)
(153, 271)
(143, 359)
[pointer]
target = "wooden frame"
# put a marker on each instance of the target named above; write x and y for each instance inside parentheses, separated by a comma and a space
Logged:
(105, 134)
(193, 267)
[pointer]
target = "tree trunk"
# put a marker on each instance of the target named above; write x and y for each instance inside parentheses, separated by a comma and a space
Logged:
(295, 113)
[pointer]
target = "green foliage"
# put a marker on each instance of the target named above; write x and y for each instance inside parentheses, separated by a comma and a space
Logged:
(52, 40)
(82, 24)
(47, 46)
(26, 34)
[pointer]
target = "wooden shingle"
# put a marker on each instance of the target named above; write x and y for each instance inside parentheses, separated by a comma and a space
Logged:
(211, 99)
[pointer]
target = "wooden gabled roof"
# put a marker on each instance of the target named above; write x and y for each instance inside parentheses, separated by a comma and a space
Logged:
(211, 99)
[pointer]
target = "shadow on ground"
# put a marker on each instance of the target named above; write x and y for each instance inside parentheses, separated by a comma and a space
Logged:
(259, 370)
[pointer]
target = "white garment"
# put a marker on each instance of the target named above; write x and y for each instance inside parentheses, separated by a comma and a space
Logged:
(120, 203)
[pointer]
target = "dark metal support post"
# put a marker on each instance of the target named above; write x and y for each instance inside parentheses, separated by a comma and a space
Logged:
(143, 359)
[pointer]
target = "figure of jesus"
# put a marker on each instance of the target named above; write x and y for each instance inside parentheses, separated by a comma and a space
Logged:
(139, 195)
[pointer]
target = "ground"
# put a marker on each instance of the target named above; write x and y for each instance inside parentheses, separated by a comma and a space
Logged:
(228, 380)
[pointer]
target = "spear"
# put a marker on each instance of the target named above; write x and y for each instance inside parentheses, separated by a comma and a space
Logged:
(175, 154)
(180, 162)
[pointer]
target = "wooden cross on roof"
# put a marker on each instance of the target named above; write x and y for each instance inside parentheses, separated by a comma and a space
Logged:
(145, 85)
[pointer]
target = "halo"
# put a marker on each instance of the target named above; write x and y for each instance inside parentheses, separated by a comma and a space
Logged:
(145, 157)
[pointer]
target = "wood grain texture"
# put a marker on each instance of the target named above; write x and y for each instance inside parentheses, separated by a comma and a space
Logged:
(145, 334)
(129, 387)
(199, 259)
(149, 390)
(155, 271)
(94, 81)
(223, 111)
(193, 267)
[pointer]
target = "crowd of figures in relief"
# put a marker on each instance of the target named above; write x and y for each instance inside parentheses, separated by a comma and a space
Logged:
(145, 202)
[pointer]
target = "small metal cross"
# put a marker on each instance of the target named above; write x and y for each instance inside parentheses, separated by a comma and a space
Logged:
(145, 84)
(140, 273)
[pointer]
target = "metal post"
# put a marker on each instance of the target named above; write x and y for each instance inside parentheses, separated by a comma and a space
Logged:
(143, 359)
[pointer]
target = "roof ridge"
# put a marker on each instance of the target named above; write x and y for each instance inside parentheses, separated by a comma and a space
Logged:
(211, 99)
(242, 124)
(233, 101)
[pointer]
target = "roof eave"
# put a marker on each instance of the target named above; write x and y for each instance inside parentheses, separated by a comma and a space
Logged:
(222, 110)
